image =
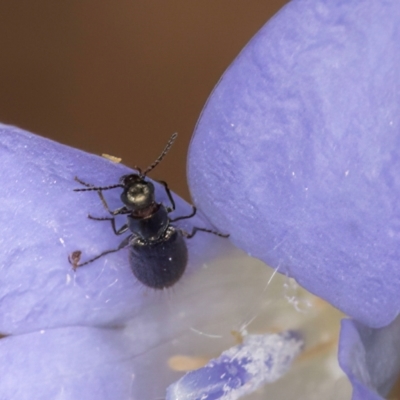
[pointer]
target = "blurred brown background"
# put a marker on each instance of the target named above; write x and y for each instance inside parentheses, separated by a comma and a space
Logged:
(120, 77)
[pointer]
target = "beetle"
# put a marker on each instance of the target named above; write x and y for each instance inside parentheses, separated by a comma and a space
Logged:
(158, 253)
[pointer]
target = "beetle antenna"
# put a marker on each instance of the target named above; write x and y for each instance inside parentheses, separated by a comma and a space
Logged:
(161, 156)
(90, 187)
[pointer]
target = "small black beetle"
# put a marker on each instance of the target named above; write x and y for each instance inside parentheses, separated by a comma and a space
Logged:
(158, 252)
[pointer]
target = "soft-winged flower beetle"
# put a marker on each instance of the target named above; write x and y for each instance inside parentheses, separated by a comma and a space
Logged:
(158, 252)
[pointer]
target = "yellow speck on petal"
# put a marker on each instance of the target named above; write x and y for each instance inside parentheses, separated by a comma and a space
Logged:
(112, 158)
(186, 363)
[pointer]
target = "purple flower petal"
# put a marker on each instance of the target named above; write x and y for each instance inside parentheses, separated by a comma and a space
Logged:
(49, 309)
(43, 221)
(370, 357)
(240, 370)
(296, 152)
(68, 363)
(296, 155)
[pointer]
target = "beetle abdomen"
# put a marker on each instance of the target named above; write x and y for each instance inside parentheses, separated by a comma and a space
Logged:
(160, 264)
